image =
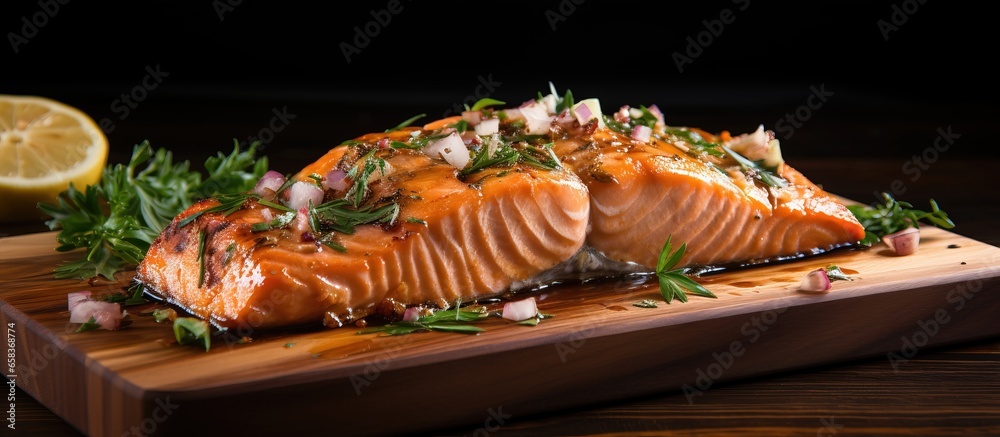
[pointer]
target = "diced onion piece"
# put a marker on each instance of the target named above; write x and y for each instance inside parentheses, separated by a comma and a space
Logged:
(537, 119)
(472, 117)
(641, 133)
(450, 148)
(107, 314)
(73, 299)
(513, 114)
(301, 221)
(488, 127)
(634, 112)
(655, 110)
(903, 242)
(816, 281)
(269, 184)
(301, 193)
(588, 109)
(336, 180)
(773, 157)
(550, 101)
(520, 310)
(752, 146)
(411, 314)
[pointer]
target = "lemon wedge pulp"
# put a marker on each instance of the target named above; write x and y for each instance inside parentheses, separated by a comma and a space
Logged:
(44, 146)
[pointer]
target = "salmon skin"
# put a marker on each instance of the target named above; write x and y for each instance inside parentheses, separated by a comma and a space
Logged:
(473, 206)
(454, 237)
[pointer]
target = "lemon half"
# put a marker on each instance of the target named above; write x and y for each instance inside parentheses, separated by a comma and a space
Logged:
(44, 146)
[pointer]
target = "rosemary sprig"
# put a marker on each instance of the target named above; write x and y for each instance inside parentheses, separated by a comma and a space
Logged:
(758, 172)
(445, 320)
(406, 122)
(674, 282)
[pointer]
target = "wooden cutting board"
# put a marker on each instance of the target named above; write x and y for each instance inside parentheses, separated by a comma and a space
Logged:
(597, 347)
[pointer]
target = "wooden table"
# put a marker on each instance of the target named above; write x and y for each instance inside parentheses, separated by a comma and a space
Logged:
(941, 391)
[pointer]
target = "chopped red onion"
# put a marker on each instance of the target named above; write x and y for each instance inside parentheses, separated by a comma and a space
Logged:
(383, 143)
(411, 314)
(641, 133)
(267, 214)
(336, 180)
(903, 242)
(520, 310)
(450, 148)
(106, 314)
(73, 299)
(588, 109)
(269, 184)
(816, 281)
(301, 193)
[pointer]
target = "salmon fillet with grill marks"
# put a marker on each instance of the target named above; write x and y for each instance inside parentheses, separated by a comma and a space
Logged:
(641, 192)
(453, 239)
(474, 205)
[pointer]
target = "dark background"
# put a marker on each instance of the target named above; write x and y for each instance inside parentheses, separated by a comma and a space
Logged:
(225, 77)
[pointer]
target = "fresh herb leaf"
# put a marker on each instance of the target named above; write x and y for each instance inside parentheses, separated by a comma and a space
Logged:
(360, 174)
(757, 171)
(461, 126)
(484, 103)
(696, 141)
(444, 320)
(275, 223)
(407, 122)
(645, 303)
(89, 325)
(402, 145)
(201, 258)
(416, 220)
(161, 314)
(674, 283)
(504, 155)
(891, 216)
(190, 330)
(117, 219)
(834, 273)
(134, 297)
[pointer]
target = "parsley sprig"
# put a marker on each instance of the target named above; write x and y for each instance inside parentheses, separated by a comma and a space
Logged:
(673, 282)
(893, 215)
(117, 219)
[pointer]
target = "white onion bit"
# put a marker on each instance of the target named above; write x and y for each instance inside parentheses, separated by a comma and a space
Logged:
(301, 193)
(107, 315)
(488, 127)
(411, 314)
(74, 299)
(903, 242)
(537, 119)
(450, 148)
(520, 310)
(816, 281)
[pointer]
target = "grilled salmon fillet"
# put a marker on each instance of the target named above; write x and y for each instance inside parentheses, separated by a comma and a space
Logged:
(473, 206)
(454, 237)
(641, 192)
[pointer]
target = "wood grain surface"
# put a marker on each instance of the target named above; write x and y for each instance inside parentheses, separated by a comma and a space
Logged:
(598, 348)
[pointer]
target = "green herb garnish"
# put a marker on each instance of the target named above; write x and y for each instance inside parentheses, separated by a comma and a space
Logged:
(445, 320)
(134, 297)
(89, 325)
(418, 221)
(892, 216)
(757, 171)
(834, 273)
(407, 122)
(189, 330)
(645, 303)
(484, 103)
(360, 174)
(275, 223)
(673, 283)
(201, 258)
(117, 219)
